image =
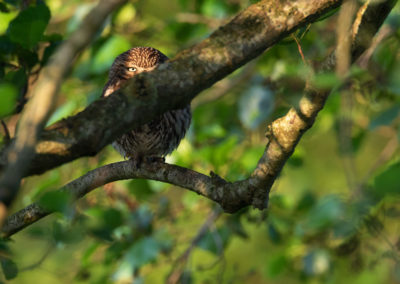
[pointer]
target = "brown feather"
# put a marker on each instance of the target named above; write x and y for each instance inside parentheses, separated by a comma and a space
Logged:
(160, 136)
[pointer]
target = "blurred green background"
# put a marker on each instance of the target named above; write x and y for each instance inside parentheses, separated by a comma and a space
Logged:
(333, 214)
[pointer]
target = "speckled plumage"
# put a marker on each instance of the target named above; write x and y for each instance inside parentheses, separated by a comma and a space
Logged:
(160, 136)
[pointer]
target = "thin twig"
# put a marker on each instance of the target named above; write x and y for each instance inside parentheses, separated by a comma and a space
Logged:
(300, 49)
(385, 155)
(178, 267)
(385, 32)
(39, 261)
(343, 61)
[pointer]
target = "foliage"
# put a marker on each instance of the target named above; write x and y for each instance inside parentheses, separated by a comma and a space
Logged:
(317, 228)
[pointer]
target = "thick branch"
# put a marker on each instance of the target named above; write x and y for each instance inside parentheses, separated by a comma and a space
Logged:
(285, 132)
(175, 83)
(213, 188)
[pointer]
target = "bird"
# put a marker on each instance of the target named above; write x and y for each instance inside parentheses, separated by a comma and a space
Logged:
(159, 137)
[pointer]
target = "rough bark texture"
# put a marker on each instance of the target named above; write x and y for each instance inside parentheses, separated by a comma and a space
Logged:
(175, 83)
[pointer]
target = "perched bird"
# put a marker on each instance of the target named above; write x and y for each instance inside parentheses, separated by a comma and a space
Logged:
(159, 137)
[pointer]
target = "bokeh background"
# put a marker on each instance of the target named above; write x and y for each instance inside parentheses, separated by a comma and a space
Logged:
(333, 214)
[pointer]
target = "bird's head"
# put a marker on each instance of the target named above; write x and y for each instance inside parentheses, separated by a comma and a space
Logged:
(134, 61)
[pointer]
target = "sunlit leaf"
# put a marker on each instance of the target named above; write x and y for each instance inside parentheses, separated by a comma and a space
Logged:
(7, 99)
(126, 15)
(63, 111)
(222, 152)
(214, 130)
(326, 80)
(5, 19)
(250, 157)
(217, 9)
(106, 54)
(190, 199)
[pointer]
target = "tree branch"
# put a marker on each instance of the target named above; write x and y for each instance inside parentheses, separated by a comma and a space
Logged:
(174, 83)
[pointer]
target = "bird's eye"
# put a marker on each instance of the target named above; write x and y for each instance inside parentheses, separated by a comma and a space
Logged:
(131, 69)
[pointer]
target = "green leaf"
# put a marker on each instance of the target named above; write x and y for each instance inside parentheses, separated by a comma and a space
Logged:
(385, 118)
(56, 201)
(63, 232)
(27, 58)
(103, 222)
(235, 225)
(387, 183)
(216, 240)
(5, 20)
(8, 99)
(3, 8)
(63, 111)
(28, 27)
(306, 202)
(141, 253)
(140, 188)
(55, 41)
(274, 234)
(326, 80)
(325, 213)
(216, 9)
(221, 153)
(250, 157)
(9, 267)
(17, 78)
(277, 265)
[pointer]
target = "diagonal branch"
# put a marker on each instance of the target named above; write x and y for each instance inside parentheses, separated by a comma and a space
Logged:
(174, 83)
(18, 156)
